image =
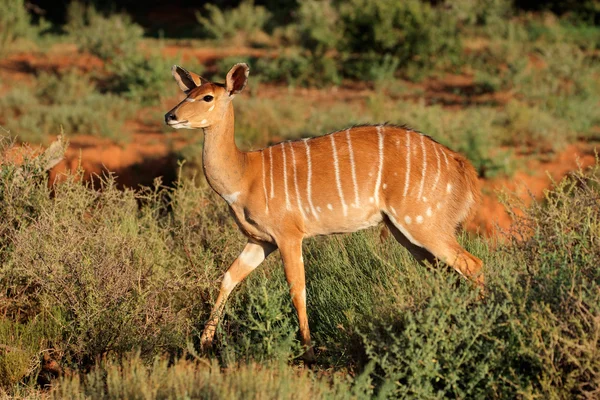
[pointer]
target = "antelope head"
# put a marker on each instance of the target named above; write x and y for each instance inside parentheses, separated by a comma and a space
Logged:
(205, 102)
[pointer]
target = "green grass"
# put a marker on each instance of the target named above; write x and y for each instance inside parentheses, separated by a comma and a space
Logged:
(118, 285)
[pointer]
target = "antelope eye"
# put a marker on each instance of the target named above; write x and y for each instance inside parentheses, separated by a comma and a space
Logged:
(208, 98)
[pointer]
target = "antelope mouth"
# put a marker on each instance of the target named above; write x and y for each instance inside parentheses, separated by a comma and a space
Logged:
(179, 124)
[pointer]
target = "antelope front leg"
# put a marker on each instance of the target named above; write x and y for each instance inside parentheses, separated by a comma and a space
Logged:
(293, 264)
(251, 257)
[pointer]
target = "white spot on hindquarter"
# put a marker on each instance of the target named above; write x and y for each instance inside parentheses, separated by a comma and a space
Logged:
(271, 170)
(354, 183)
(231, 198)
(407, 176)
(338, 181)
(384, 186)
(419, 219)
(298, 199)
(404, 231)
(424, 199)
(424, 169)
(380, 168)
(407, 219)
(371, 200)
(330, 206)
(429, 212)
(264, 182)
(285, 185)
(309, 179)
(448, 188)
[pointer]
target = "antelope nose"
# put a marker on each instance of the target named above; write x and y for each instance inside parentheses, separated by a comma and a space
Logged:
(170, 117)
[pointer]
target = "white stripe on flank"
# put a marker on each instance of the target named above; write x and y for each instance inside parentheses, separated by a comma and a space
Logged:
(380, 168)
(407, 176)
(309, 179)
(439, 168)
(264, 181)
(298, 200)
(424, 170)
(447, 164)
(271, 168)
(338, 181)
(285, 185)
(351, 153)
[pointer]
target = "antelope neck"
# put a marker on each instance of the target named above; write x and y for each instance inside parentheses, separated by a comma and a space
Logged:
(224, 163)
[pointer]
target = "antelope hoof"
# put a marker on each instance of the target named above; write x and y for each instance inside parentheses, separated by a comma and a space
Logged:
(206, 342)
(309, 357)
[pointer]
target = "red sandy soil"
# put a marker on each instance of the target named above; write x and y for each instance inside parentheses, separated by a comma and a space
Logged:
(150, 153)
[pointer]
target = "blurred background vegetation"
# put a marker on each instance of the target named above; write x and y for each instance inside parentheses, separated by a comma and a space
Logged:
(104, 292)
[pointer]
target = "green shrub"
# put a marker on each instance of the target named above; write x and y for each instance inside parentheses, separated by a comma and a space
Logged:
(70, 100)
(142, 79)
(247, 22)
(15, 23)
(413, 32)
(108, 37)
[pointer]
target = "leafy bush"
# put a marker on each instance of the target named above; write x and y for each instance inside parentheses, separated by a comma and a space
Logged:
(143, 79)
(106, 37)
(70, 100)
(412, 31)
(247, 21)
(15, 23)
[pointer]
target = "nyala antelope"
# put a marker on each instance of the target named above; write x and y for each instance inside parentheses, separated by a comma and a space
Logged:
(341, 182)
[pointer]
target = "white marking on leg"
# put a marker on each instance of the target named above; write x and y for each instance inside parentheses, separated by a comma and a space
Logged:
(330, 206)
(419, 219)
(380, 168)
(309, 179)
(351, 153)
(439, 168)
(227, 283)
(404, 231)
(285, 183)
(231, 198)
(298, 199)
(424, 169)
(429, 212)
(264, 182)
(271, 170)
(338, 181)
(407, 176)
(252, 255)
(407, 219)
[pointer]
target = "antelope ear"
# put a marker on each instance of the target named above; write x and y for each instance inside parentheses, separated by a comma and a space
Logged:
(237, 77)
(185, 79)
